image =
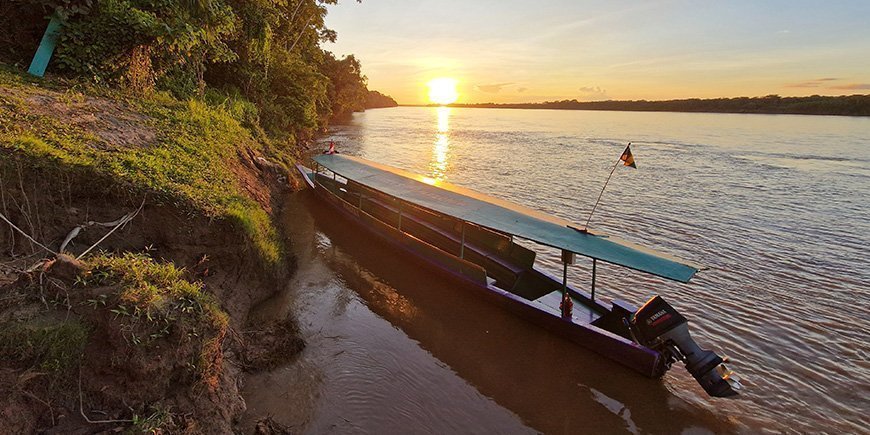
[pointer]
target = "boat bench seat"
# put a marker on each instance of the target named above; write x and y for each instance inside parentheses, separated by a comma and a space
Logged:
(502, 268)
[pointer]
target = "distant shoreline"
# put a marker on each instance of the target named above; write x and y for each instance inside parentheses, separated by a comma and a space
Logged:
(846, 105)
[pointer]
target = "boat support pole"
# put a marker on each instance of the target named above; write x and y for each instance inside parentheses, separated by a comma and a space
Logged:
(594, 263)
(564, 277)
(462, 243)
(567, 305)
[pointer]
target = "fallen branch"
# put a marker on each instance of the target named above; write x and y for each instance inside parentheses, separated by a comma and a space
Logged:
(82, 409)
(72, 234)
(75, 231)
(119, 223)
(27, 236)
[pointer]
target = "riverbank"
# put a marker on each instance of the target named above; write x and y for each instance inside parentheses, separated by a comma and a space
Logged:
(843, 105)
(170, 206)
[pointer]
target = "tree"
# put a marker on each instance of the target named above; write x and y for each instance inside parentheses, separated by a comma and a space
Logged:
(347, 88)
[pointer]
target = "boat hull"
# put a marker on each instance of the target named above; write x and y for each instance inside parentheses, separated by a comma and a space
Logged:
(632, 355)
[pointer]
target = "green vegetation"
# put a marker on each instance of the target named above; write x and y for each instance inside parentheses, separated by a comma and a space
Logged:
(850, 105)
(133, 315)
(153, 299)
(152, 290)
(158, 421)
(189, 162)
(197, 106)
(54, 347)
(375, 100)
(210, 80)
(267, 53)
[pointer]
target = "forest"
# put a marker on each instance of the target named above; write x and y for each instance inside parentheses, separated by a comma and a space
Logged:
(263, 56)
(848, 105)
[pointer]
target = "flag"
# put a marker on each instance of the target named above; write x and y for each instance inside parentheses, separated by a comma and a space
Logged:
(331, 149)
(627, 158)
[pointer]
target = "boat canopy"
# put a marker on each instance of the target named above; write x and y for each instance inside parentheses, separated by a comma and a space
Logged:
(504, 216)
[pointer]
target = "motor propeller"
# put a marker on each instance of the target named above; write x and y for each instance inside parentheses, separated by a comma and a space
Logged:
(659, 326)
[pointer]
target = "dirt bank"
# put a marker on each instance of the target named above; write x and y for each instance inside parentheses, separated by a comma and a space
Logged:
(150, 330)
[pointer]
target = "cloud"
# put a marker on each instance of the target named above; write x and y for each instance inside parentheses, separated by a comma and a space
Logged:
(811, 83)
(521, 90)
(852, 86)
(491, 89)
(593, 93)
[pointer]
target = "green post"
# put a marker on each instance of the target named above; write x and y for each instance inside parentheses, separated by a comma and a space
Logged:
(46, 48)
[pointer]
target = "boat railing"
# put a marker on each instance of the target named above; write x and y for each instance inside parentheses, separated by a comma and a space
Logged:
(367, 209)
(503, 260)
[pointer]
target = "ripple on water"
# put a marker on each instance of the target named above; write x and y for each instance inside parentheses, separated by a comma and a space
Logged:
(775, 206)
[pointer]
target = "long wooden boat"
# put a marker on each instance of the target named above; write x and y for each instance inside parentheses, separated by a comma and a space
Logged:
(472, 237)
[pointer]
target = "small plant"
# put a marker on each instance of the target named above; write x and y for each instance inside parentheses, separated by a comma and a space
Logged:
(153, 423)
(121, 310)
(153, 300)
(99, 301)
(54, 348)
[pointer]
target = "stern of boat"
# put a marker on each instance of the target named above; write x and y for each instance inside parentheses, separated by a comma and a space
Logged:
(660, 327)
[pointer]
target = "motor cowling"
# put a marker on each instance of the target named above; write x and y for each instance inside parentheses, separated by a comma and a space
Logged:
(659, 326)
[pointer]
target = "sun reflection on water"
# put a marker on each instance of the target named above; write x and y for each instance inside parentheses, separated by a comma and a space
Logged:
(438, 165)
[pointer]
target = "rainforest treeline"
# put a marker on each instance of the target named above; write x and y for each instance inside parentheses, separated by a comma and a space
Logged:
(263, 55)
(851, 105)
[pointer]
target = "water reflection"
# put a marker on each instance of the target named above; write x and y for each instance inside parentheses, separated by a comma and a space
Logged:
(359, 372)
(762, 200)
(556, 386)
(438, 166)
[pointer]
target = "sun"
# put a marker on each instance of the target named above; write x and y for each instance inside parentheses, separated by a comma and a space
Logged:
(442, 91)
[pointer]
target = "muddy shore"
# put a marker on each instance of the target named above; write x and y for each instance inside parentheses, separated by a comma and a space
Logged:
(151, 330)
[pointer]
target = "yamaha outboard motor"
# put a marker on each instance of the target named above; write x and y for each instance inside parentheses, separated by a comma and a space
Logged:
(659, 326)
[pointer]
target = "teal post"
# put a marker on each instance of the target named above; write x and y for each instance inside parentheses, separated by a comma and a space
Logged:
(46, 48)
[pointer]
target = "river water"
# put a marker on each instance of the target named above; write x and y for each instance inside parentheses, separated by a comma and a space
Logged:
(775, 206)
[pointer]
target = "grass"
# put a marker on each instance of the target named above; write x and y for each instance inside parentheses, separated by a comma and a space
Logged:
(54, 347)
(189, 164)
(152, 305)
(153, 299)
(153, 423)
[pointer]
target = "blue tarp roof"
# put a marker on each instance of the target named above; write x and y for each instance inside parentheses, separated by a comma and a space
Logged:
(504, 216)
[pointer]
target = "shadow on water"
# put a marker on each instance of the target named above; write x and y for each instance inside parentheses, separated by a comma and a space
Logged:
(552, 385)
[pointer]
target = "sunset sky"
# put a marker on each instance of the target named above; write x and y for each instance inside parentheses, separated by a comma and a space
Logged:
(526, 51)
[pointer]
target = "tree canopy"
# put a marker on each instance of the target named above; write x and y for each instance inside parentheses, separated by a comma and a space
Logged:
(852, 105)
(265, 51)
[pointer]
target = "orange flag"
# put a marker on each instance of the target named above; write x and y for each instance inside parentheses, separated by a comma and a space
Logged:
(628, 158)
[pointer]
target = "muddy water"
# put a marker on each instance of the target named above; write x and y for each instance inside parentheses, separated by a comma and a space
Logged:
(775, 206)
(393, 347)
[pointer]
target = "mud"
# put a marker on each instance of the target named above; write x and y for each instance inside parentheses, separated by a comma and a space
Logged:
(115, 381)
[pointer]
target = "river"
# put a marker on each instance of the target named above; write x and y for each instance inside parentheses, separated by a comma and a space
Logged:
(775, 206)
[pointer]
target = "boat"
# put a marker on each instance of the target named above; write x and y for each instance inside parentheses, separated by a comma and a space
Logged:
(473, 238)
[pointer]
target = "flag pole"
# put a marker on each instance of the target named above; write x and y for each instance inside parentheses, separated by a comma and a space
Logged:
(586, 226)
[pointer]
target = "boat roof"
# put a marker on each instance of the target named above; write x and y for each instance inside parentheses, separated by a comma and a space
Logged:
(504, 216)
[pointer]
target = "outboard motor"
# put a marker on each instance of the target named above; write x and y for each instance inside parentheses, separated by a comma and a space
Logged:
(659, 326)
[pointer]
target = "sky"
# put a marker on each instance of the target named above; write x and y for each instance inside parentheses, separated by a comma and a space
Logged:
(533, 51)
